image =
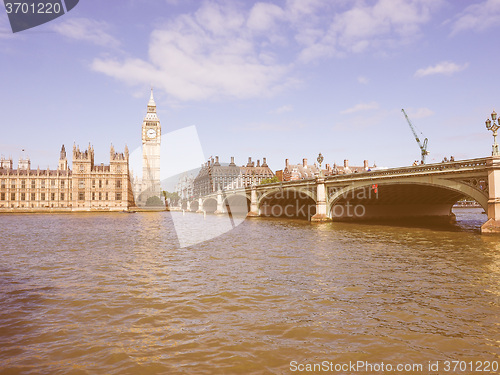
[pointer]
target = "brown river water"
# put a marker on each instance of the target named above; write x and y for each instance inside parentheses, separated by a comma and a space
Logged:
(107, 293)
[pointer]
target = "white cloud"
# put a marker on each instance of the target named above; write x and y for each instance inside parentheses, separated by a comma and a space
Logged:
(415, 113)
(87, 30)
(264, 16)
(477, 17)
(445, 67)
(205, 55)
(226, 50)
(363, 80)
(283, 109)
(386, 23)
(360, 107)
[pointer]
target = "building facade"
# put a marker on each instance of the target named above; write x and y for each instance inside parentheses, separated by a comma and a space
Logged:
(214, 176)
(85, 188)
(293, 172)
(185, 187)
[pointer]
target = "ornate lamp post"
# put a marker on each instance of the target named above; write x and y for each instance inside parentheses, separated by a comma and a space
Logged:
(494, 126)
(320, 160)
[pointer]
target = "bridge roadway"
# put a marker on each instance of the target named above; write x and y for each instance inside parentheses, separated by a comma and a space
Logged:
(423, 191)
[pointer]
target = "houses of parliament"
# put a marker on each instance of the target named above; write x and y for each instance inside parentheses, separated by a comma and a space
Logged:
(87, 186)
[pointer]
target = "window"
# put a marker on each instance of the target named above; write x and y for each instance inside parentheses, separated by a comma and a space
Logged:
(118, 196)
(82, 168)
(23, 184)
(100, 196)
(23, 196)
(12, 196)
(81, 183)
(2, 196)
(62, 184)
(42, 184)
(118, 184)
(118, 168)
(33, 196)
(13, 184)
(33, 184)
(100, 184)
(2, 184)
(52, 196)
(93, 184)
(52, 183)
(81, 196)
(106, 193)
(93, 196)
(62, 196)
(42, 196)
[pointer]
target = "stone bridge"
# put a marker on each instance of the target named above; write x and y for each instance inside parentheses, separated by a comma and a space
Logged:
(423, 191)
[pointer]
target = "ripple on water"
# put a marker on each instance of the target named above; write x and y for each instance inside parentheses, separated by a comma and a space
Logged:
(114, 294)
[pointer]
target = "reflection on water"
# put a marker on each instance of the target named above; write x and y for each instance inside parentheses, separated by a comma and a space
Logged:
(114, 294)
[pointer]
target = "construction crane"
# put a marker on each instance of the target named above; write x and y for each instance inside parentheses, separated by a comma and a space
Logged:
(423, 146)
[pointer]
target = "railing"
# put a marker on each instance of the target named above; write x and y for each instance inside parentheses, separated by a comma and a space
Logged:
(471, 164)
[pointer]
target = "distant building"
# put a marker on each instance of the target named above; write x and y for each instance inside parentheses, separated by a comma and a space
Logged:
(85, 188)
(185, 187)
(346, 168)
(213, 176)
(293, 172)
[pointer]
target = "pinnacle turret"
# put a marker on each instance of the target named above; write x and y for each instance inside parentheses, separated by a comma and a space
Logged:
(151, 102)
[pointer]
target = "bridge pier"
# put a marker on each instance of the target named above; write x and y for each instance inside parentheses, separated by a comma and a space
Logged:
(254, 208)
(220, 207)
(493, 223)
(200, 206)
(321, 207)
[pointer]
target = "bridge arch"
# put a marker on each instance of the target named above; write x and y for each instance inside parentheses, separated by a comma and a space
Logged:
(416, 197)
(237, 204)
(209, 205)
(291, 202)
(194, 205)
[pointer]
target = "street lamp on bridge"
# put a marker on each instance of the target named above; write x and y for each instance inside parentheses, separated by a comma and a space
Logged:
(320, 160)
(494, 126)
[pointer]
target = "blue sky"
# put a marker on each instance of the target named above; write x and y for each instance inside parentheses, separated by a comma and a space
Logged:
(276, 79)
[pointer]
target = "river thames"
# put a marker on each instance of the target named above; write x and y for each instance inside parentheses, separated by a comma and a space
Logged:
(104, 293)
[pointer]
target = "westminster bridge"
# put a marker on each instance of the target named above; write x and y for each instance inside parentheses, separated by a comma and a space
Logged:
(422, 191)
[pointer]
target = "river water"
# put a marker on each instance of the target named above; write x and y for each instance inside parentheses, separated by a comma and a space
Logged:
(115, 294)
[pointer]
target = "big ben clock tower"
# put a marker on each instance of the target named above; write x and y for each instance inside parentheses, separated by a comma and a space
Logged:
(151, 140)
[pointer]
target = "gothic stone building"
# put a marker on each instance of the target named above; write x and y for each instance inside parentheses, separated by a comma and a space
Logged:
(87, 187)
(213, 176)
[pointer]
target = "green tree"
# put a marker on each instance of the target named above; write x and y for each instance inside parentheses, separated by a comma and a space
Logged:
(269, 180)
(154, 201)
(173, 198)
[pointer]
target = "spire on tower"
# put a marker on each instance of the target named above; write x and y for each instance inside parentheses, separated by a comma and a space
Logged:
(151, 102)
(63, 153)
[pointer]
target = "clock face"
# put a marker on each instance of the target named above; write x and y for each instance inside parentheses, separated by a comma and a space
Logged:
(151, 133)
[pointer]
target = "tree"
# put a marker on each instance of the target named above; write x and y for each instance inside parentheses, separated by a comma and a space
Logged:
(154, 201)
(171, 198)
(269, 180)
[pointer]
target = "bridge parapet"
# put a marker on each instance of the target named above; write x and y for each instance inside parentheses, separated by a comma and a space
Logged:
(472, 164)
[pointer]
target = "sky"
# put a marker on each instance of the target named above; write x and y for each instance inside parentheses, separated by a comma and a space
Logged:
(277, 79)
